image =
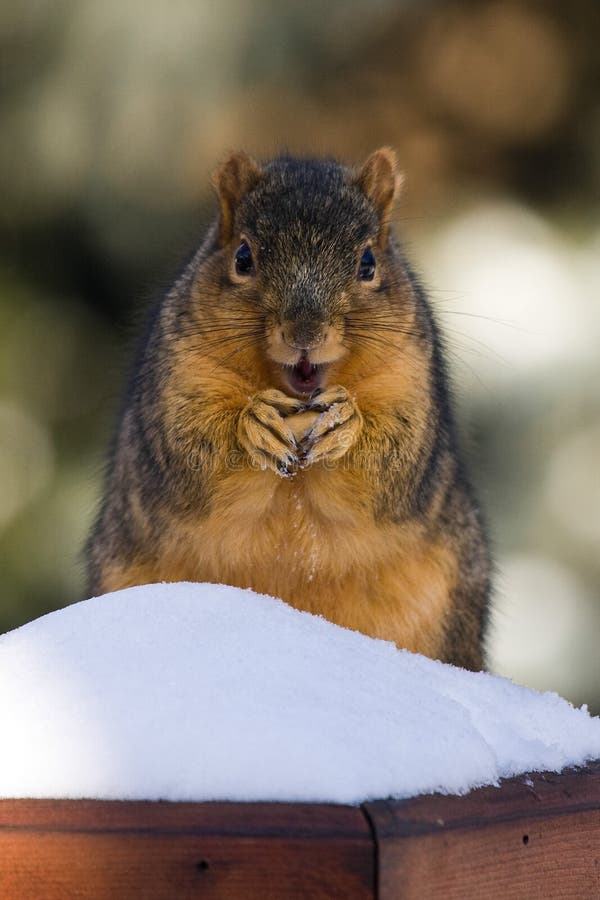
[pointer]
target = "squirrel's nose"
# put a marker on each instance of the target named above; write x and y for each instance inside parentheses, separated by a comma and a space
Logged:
(302, 335)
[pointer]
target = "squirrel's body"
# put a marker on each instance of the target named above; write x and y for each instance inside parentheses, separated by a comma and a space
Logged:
(288, 426)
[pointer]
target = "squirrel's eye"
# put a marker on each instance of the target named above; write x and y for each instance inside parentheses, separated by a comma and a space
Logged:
(244, 264)
(366, 269)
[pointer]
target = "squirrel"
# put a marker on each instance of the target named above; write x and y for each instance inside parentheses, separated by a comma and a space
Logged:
(288, 425)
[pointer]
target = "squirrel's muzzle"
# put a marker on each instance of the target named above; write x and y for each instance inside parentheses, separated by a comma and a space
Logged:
(303, 335)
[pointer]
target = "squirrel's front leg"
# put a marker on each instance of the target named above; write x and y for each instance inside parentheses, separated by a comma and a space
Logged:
(336, 428)
(266, 436)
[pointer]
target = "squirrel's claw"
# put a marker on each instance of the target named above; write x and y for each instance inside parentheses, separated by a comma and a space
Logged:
(263, 433)
(335, 430)
(321, 400)
(288, 468)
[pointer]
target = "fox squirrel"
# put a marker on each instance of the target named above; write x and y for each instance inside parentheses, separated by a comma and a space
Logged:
(288, 425)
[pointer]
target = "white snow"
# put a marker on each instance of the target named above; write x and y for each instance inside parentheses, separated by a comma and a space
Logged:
(207, 692)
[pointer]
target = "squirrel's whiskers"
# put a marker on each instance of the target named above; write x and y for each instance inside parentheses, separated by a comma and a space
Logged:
(289, 425)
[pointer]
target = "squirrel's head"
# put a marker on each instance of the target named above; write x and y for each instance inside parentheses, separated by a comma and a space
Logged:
(304, 247)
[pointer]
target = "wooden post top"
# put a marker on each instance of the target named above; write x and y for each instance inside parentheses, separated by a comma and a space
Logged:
(536, 835)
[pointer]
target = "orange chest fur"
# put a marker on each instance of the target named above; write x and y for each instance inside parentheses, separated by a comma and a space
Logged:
(313, 541)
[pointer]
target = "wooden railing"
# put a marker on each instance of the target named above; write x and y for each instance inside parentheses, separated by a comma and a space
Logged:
(533, 837)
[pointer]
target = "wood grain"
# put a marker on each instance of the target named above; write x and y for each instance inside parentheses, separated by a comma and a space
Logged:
(58, 850)
(533, 837)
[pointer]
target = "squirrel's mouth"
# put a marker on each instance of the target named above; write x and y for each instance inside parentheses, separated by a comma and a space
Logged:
(305, 377)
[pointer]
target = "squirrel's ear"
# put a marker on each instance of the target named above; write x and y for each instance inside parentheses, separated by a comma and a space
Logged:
(380, 181)
(233, 179)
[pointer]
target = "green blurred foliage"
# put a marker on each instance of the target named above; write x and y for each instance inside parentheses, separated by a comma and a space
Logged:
(112, 118)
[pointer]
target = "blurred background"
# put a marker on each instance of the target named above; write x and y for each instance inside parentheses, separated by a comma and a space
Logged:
(112, 117)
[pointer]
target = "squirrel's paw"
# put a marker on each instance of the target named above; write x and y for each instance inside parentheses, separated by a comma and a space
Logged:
(336, 428)
(301, 424)
(264, 434)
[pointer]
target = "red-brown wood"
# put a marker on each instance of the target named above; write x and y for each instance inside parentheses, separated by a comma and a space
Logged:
(57, 850)
(533, 837)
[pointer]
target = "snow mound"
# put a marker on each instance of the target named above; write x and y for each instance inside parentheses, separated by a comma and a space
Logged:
(207, 692)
